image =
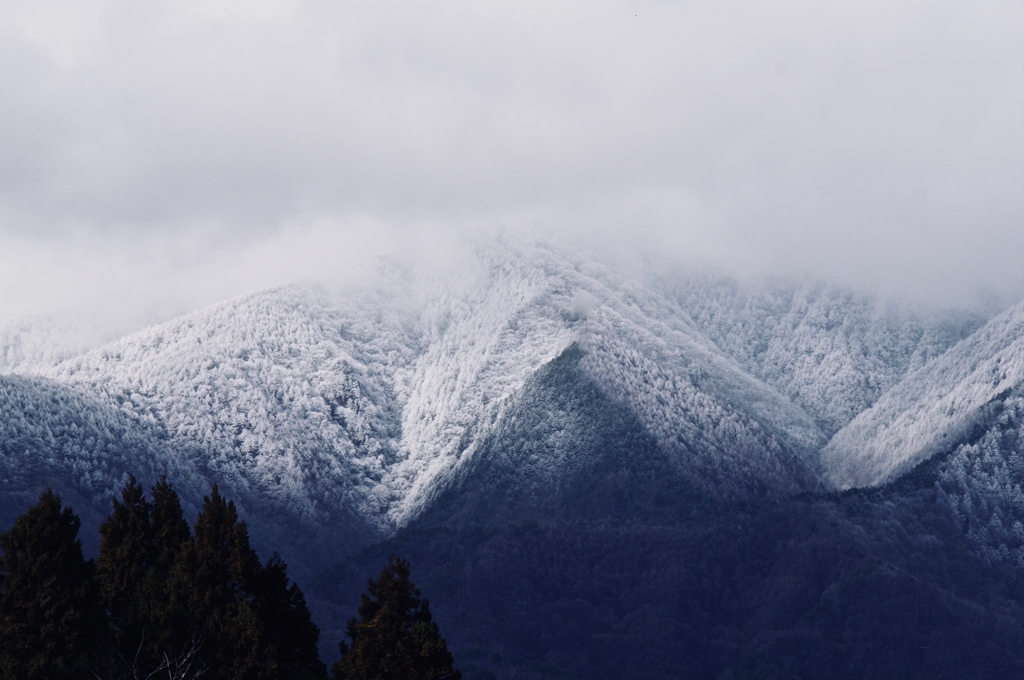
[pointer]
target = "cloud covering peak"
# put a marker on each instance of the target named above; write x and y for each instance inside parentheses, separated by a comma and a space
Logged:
(170, 154)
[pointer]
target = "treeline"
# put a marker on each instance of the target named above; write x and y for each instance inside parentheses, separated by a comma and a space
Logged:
(165, 601)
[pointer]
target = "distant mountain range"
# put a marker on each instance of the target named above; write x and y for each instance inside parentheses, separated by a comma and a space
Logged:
(540, 400)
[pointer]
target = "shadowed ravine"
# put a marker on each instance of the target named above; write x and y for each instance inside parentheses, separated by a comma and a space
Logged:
(620, 569)
(639, 487)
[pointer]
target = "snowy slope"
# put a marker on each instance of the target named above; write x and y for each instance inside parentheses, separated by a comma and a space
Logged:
(283, 398)
(932, 408)
(273, 395)
(695, 400)
(831, 351)
(334, 419)
(37, 343)
(318, 410)
(519, 308)
(71, 433)
(59, 435)
(982, 482)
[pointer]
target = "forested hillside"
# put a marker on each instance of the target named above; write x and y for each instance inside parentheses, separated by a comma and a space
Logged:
(682, 473)
(618, 567)
(831, 351)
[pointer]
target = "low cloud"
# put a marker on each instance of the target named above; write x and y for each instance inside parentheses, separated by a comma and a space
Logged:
(160, 156)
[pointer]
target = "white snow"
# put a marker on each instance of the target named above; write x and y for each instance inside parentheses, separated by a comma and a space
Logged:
(931, 408)
(832, 352)
(370, 403)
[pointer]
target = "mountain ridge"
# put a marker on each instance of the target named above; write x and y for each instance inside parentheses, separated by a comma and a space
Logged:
(654, 465)
(317, 410)
(932, 408)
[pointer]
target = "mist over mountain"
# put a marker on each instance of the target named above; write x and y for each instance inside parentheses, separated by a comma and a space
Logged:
(551, 440)
(665, 339)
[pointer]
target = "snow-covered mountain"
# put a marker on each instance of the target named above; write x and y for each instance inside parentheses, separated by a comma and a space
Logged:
(335, 419)
(934, 408)
(831, 351)
(85, 445)
(37, 343)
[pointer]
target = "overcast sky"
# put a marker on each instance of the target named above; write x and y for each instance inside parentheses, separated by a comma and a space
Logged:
(159, 156)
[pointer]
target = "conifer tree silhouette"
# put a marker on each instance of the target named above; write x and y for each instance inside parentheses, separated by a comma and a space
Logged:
(140, 541)
(288, 629)
(199, 603)
(254, 625)
(49, 613)
(394, 636)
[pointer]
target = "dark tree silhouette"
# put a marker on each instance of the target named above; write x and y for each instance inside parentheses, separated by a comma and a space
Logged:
(49, 614)
(253, 624)
(170, 534)
(126, 551)
(394, 637)
(140, 542)
(161, 603)
(290, 633)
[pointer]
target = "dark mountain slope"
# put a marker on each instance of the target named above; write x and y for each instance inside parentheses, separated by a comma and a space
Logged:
(980, 481)
(564, 450)
(619, 567)
(54, 434)
(812, 588)
(585, 483)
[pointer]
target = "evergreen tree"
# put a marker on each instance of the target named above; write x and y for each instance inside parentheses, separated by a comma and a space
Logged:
(214, 584)
(394, 637)
(140, 542)
(170, 530)
(126, 548)
(178, 605)
(289, 630)
(254, 625)
(171, 629)
(49, 616)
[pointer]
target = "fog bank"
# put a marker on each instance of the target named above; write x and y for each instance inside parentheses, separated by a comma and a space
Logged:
(160, 157)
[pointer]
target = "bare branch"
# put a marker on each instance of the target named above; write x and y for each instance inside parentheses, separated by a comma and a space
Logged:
(184, 666)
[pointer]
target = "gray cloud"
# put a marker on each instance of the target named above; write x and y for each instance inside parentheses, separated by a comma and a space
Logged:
(158, 156)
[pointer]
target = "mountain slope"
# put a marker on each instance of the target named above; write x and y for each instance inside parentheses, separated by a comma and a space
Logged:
(57, 434)
(566, 450)
(980, 483)
(266, 388)
(596, 476)
(832, 352)
(270, 396)
(933, 408)
(359, 410)
(615, 564)
(334, 420)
